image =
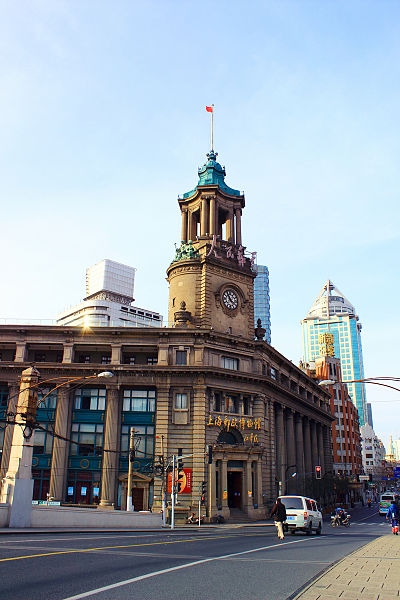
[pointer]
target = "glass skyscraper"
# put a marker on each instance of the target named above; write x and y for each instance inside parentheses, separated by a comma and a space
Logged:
(332, 312)
(261, 300)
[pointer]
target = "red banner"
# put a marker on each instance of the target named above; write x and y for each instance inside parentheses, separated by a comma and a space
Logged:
(183, 481)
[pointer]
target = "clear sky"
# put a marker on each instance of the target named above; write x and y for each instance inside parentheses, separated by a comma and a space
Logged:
(103, 124)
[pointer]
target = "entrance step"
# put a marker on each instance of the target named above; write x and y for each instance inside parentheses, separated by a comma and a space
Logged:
(238, 516)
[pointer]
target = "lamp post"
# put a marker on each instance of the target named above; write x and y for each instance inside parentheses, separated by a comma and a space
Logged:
(17, 485)
(282, 484)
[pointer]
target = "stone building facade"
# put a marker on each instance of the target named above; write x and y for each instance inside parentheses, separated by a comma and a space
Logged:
(208, 381)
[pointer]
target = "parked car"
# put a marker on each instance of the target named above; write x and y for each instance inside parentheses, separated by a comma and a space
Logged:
(302, 514)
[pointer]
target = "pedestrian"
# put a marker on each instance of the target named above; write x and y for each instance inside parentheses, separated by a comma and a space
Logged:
(393, 514)
(278, 512)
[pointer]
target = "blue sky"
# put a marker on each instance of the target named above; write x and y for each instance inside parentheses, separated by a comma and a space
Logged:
(103, 124)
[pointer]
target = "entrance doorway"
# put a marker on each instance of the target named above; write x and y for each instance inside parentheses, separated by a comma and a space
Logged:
(137, 498)
(235, 489)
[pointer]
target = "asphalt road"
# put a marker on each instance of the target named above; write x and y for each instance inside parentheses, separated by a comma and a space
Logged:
(191, 564)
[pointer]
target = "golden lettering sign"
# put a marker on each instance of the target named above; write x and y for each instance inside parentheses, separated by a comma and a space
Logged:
(238, 422)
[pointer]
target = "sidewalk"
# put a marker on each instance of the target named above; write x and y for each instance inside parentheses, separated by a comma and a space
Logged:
(370, 573)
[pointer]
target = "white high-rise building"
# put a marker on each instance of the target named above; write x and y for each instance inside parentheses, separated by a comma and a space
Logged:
(331, 312)
(109, 300)
(373, 452)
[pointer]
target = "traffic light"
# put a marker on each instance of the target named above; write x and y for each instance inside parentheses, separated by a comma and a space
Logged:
(180, 464)
(317, 472)
(203, 492)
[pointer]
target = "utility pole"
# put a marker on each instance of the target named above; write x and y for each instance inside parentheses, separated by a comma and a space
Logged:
(173, 494)
(129, 503)
(17, 485)
(210, 460)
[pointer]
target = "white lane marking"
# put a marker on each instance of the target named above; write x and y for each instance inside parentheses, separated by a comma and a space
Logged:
(178, 568)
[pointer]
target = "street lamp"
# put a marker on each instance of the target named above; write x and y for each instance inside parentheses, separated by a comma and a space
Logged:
(17, 485)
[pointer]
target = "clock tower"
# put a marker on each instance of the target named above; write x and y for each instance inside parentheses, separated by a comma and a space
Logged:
(211, 277)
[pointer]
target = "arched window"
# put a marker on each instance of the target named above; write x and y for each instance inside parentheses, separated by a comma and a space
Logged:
(233, 436)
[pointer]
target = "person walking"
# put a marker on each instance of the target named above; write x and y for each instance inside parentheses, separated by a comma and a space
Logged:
(393, 514)
(278, 512)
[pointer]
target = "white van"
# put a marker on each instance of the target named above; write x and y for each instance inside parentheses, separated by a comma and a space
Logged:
(302, 514)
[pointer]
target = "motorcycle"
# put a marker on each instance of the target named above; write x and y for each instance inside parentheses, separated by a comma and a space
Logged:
(337, 520)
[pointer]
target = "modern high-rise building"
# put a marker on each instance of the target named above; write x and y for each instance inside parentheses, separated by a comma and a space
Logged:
(262, 309)
(109, 298)
(332, 312)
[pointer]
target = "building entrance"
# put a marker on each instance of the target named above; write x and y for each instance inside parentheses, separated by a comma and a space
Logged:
(235, 489)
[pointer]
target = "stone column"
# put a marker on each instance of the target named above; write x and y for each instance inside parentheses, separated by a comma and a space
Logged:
(281, 446)
(238, 213)
(13, 392)
(321, 456)
(68, 353)
(203, 217)
(270, 487)
(259, 498)
(59, 459)
(200, 471)
(20, 352)
(230, 231)
(184, 226)
(111, 439)
(224, 482)
(307, 448)
(248, 488)
(291, 452)
(314, 445)
(213, 488)
(213, 225)
(299, 451)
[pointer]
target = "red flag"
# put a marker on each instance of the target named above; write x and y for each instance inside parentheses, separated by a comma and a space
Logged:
(209, 108)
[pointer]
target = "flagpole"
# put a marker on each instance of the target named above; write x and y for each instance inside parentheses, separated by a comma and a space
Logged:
(212, 127)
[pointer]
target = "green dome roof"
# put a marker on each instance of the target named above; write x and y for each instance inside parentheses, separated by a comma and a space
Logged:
(211, 173)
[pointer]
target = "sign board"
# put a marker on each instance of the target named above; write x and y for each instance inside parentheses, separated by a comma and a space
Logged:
(363, 477)
(184, 476)
(45, 503)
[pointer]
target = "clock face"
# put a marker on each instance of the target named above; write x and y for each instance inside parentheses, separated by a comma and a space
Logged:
(230, 299)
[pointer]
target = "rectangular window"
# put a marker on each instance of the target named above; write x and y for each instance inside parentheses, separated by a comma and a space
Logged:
(90, 399)
(47, 399)
(231, 404)
(139, 401)
(181, 401)
(152, 360)
(88, 438)
(106, 359)
(181, 357)
(273, 374)
(230, 363)
(40, 357)
(84, 358)
(43, 440)
(144, 441)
